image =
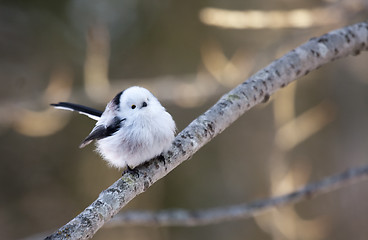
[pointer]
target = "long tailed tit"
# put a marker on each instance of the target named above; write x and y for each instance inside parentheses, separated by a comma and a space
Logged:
(134, 128)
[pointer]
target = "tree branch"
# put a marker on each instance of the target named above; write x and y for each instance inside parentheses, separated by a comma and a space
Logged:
(299, 62)
(181, 217)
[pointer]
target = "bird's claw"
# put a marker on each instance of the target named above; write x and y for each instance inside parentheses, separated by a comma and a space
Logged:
(132, 171)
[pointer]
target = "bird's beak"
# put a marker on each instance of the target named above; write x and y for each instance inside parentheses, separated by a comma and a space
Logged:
(144, 105)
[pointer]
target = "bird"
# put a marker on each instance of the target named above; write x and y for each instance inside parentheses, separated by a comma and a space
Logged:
(133, 128)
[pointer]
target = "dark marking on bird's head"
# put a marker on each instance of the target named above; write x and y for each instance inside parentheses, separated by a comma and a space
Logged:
(116, 99)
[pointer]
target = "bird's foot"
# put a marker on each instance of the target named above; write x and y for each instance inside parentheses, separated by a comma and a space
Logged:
(132, 171)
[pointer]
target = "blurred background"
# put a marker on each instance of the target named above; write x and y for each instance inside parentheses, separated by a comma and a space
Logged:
(188, 53)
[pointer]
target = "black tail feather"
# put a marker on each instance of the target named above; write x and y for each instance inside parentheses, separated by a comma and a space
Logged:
(79, 108)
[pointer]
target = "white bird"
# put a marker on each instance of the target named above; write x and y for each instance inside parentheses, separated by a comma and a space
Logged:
(133, 129)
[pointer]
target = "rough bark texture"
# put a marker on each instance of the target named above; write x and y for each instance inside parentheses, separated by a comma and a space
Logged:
(299, 62)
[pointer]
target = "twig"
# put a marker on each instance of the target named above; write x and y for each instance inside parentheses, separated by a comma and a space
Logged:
(299, 62)
(181, 217)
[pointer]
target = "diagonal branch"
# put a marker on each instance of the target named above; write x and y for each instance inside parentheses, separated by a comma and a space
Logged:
(299, 62)
(181, 217)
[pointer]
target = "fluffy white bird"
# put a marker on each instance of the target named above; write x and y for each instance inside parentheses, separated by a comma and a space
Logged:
(134, 128)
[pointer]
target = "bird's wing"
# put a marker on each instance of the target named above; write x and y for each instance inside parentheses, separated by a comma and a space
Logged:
(90, 112)
(102, 131)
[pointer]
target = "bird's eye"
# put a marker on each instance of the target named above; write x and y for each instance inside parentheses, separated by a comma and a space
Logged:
(133, 106)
